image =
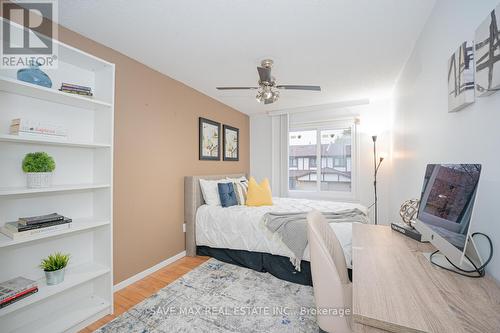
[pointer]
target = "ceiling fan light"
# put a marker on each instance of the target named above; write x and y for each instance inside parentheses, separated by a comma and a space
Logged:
(259, 97)
(268, 94)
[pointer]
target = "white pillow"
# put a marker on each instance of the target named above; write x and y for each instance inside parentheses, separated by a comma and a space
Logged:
(240, 188)
(210, 191)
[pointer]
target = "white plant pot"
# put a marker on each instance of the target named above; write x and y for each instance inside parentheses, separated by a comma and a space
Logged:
(55, 277)
(39, 179)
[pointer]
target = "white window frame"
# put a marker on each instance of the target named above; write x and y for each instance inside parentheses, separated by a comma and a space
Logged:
(328, 125)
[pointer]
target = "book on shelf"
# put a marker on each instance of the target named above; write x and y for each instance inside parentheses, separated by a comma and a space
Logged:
(40, 219)
(76, 89)
(18, 297)
(15, 286)
(15, 129)
(75, 86)
(17, 227)
(22, 125)
(76, 92)
(33, 135)
(18, 235)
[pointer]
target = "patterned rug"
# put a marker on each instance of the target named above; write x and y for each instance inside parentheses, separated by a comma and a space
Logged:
(220, 297)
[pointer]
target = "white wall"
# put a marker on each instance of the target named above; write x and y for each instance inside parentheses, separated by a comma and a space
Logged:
(424, 132)
(375, 118)
(260, 146)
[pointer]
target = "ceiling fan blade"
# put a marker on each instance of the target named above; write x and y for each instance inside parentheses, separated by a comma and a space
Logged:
(235, 88)
(296, 87)
(265, 74)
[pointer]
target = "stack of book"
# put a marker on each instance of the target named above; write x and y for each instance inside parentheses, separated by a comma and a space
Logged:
(36, 128)
(36, 225)
(16, 289)
(76, 89)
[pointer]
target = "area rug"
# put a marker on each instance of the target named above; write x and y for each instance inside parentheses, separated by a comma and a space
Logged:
(220, 297)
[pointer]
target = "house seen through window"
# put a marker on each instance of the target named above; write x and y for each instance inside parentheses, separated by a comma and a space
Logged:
(320, 160)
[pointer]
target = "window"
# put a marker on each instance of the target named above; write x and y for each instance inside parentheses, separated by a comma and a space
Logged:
(324, 156)
(302, 145)
(335, 176)
(312, 163)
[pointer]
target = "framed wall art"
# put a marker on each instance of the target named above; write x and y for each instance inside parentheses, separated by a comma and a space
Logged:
(231, 145)
(209, 139)
(487, 55)
(461, 77)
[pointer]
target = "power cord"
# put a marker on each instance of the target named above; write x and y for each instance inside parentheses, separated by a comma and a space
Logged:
(477, 272)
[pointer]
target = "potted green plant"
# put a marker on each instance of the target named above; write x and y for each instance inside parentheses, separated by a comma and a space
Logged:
(38, 167)
(54, 266)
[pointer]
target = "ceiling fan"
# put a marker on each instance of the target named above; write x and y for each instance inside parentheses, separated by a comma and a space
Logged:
(267, 91)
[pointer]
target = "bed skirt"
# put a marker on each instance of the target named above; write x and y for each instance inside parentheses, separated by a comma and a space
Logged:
(278, 266)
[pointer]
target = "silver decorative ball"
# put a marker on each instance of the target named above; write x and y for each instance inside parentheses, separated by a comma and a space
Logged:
(409, 211)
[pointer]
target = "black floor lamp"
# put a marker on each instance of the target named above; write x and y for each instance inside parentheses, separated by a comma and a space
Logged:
(376, 166)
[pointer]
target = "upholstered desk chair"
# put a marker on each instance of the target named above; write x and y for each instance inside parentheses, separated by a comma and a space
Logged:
(331, 285)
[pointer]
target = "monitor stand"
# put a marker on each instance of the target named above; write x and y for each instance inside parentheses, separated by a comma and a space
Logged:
(456, 255)
(440, 260)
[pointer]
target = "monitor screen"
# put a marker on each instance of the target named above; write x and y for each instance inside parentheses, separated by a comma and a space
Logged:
(447, 200)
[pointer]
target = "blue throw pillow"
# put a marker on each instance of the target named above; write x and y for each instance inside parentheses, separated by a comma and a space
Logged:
(227, 195)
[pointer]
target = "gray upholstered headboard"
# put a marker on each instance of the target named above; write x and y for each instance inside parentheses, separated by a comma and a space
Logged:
(192, 200)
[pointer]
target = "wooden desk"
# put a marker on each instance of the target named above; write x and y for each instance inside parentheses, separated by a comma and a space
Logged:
(396, 288)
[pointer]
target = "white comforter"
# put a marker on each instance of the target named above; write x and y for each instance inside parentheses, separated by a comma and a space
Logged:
(240, 227)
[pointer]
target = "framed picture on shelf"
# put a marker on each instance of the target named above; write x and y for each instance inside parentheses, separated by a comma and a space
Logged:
(231, 145)
(209, 139)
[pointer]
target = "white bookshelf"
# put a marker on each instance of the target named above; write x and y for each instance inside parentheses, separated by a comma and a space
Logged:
(87, 307)
(50, 94)
(74, 277)
(51, 141)
(83, 224)
(82, 190)
(10, 191)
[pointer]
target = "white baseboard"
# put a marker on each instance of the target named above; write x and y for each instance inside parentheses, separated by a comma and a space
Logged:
(148, 271)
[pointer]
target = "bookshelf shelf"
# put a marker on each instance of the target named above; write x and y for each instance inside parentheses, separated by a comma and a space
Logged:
(78, 311)
(78, 225)
(73, 277)
(50, 142)
(49, 94)
(84, 178)
(6, 191)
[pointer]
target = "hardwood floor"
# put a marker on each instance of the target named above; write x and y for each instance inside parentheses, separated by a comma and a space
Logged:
(142, 289)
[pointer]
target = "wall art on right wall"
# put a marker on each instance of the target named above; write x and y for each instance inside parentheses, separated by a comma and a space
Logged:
(461, 77)
(487, 56)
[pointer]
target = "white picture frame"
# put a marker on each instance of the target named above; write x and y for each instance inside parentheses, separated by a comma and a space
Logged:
(461, 82)
(487, 55)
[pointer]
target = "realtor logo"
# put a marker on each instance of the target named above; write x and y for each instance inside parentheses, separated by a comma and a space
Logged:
(27, 34)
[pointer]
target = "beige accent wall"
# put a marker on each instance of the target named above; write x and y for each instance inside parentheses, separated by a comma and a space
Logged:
(156, 145)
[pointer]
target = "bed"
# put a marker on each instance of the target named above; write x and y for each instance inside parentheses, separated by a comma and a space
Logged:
(236, 235)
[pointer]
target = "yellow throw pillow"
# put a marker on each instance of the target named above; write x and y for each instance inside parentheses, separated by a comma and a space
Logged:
(259, 194)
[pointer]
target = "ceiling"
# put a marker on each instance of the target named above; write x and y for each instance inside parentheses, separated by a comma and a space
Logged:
(354, 49)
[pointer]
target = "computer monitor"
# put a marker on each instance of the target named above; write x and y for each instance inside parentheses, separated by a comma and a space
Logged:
(445, 211)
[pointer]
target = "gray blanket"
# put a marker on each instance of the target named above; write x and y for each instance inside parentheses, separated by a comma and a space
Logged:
(291, 228)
